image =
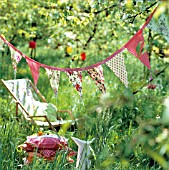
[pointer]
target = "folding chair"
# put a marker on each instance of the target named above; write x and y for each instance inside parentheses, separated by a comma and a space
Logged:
(26, 97)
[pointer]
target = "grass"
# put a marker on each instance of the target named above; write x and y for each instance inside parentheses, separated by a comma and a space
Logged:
(124, 125)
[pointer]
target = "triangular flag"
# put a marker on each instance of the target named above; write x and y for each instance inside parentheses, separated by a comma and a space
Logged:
(96, 74)
(76, 79)
(15, 57)
(34, 67)
(135, 46)
(144, 58)
(54, 78)
(1, 44)
(83, 162)
(116, 64)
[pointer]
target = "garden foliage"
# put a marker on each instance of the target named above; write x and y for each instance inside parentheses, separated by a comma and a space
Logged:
(130, 125)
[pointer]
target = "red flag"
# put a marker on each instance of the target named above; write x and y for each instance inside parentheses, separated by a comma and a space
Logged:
(34, 67)
(135, 46)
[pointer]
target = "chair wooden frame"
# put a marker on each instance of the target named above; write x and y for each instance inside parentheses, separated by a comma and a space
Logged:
(31, 118)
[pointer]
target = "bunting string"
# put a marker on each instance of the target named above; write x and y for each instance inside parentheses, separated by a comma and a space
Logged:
(115, 62)
(82, 68)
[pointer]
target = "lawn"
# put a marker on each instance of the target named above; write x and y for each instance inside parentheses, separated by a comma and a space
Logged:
(129, 130)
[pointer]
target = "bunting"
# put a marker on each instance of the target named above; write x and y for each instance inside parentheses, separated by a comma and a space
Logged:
(34, 67)
(15, 57)
(97, 75)
(135, 46)
(54, 78)
(76, 79)
(116, 64)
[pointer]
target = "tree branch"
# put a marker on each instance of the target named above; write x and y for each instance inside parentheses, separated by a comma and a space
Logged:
(91, 36)
(134, 16)
(105, 9)
(156, 75)
(95, 26)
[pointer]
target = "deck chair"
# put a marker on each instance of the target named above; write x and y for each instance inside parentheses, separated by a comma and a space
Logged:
(26, 97)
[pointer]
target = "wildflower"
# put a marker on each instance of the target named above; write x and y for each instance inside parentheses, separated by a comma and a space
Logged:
(69, 159)
(157, 117)
(40, 133)
(32, 44)
(75, 57)
(69, 49)
(83, 56)
(151, 86)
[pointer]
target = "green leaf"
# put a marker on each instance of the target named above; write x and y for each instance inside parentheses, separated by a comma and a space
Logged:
(138, 49)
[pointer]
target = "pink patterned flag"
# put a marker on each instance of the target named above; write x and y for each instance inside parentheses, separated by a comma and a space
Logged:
(15, 57)
(96, 74)
(54, 78)
(76, 78)
(34, 67)
(135, 47)
(116, 64)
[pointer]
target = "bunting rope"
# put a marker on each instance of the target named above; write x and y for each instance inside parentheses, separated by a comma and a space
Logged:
(115, 62)
(88, 67)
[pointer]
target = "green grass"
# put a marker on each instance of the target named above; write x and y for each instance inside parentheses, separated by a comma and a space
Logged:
(124, 125)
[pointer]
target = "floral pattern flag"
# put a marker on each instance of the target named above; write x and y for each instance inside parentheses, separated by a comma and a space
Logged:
(15, 57)
(76, 79)
(116, 64)
(54, 78)
(135, 46)
(96, 74)
(34, 67)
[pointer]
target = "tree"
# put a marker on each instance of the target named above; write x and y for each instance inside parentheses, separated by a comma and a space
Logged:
(78, 23)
